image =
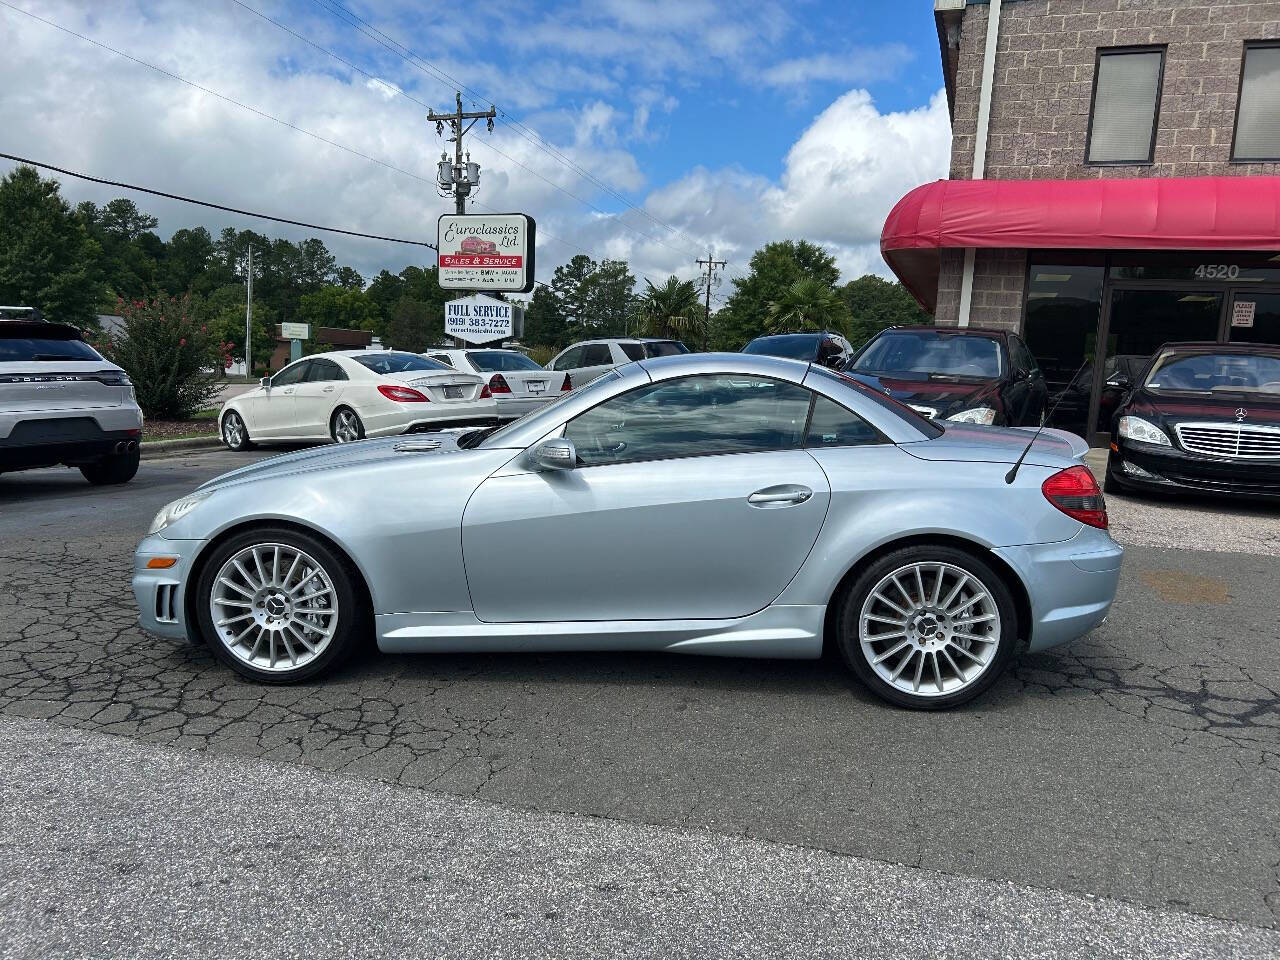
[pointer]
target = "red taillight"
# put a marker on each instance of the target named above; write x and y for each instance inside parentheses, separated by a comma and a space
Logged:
(402, 394)
(566, 386)
(486, 393)
(1075, 492)
(498, 384)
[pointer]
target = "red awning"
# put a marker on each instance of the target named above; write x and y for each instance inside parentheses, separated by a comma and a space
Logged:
(1201, 213)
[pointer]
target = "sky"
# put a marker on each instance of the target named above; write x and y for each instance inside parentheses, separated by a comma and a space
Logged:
(654, 132)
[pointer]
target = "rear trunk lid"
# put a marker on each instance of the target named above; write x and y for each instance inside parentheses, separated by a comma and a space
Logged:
(978, 444)
(526, 383)
(442, 387)
(42, 386)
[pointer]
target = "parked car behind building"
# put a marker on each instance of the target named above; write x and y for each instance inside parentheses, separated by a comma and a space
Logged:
(62, 403)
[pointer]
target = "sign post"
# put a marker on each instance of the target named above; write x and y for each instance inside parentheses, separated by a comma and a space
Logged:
(295, 333)
(485, 252)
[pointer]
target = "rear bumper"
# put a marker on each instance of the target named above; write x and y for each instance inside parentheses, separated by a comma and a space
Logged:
(1143, 466)
(1071, 584)
(425, 417)
(161, 594)
(65, 436)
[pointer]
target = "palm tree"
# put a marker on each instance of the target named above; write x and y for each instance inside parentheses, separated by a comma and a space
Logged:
(671, 310)
(808, 304)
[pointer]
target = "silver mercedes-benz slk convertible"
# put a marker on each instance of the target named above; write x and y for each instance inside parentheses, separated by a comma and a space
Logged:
(722, 504)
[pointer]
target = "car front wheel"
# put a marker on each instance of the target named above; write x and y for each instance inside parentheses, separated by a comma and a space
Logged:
(928, 627)
(278, 606)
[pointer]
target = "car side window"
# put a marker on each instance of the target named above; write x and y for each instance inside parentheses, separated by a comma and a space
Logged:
(569, 360)
(324, 371)
(633, 351)
(831, 425)
(692, 416)
(1023, 363)
(295, 373)
(596, 355)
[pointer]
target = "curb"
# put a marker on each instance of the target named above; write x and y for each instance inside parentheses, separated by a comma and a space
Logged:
(168, 448)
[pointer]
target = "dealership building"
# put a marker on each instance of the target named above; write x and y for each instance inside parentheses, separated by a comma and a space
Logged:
(1114, 183)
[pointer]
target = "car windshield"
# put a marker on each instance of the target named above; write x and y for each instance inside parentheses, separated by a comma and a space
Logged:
(41, 348)
(930, 353)
(493, 361)
(394, 362)
(795, 346)
(1215, 373)
(664, 348)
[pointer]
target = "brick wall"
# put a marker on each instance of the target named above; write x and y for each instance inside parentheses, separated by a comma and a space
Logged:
(999, 277)
(1044, 83)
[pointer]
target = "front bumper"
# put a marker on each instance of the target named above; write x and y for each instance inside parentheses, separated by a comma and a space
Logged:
(1071, 584)
(1148, 467)
(162, 594)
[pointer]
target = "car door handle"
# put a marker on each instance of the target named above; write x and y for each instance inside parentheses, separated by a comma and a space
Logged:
(328, 390)
(783, 495)
(287, 390)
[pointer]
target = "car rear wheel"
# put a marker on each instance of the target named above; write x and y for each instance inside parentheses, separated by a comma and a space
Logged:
(346, 426)
(928, 627)
(278, 606)
(113, 468)
(234, 433)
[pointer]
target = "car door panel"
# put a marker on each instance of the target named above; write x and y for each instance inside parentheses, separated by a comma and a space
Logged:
(274, 410)
(673, 539)
(315, 398)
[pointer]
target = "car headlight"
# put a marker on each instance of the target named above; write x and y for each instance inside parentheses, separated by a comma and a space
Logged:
(974, 415)
(172, 512)
(1135, 428)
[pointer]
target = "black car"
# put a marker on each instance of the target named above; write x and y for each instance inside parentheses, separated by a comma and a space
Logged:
(829, 349)
(1205, 417)
(953, 373)
(1069, 402)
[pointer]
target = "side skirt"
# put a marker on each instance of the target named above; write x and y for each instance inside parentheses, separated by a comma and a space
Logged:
(792, 632)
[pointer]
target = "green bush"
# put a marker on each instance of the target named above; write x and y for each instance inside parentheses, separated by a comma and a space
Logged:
(170, 356)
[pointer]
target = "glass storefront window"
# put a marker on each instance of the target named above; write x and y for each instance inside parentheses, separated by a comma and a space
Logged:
(1061, 330)
(1210, 267)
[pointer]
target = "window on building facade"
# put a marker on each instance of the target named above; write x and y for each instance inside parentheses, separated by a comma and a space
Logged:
(1258, 111)
(1126, 103)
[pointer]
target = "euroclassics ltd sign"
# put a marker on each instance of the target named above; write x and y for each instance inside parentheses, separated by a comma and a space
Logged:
(486, 252)
(482, 319)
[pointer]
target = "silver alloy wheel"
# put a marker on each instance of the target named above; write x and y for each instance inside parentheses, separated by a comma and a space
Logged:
(346, 427)
(929, 629)
(233, 430)
(274, 607)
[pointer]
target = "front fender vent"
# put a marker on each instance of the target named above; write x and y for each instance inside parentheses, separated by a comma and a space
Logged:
(424, 445)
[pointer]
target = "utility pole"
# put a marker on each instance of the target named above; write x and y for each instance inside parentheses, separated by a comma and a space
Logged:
(458, 177)
(248, 318)
(710, 263)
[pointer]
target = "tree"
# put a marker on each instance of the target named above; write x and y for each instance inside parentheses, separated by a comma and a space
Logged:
(773, 269)
(170, 356)
(414, 326)
(876, 303)
(222, 311)
(544, 323)
(332, 306)
(808, 304)
(571, 284)
(610, 298)
(47, 259)
(671, 310)
(349, 278)
(187, 263)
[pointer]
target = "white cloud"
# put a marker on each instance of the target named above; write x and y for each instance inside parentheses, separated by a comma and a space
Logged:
(858, 65)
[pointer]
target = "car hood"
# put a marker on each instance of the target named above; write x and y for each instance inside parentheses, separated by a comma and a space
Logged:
(975, 443)
(1166, 408)
(338, 455)
(944, 396)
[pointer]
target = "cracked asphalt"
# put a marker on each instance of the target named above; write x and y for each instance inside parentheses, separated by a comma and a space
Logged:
(1141, 764)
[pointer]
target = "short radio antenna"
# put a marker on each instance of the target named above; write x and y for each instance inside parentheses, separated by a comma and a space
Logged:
(1013, 471)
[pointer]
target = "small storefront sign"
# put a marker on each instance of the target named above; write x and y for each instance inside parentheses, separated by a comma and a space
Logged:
(295, 331)
(1243, 312)
(481, 319)
(486, 252)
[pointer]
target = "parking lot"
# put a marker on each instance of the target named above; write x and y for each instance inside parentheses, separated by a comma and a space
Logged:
(1140, 765)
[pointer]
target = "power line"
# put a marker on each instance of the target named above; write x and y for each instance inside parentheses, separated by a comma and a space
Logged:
(214, 206)
(506, 156)
(425, 66)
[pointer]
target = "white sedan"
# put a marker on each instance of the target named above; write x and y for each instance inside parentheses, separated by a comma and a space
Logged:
(516, 382)
(349, 395)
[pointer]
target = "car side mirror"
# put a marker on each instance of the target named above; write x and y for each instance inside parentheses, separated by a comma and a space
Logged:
(556, 453)
(1120, 381)
(264, 383)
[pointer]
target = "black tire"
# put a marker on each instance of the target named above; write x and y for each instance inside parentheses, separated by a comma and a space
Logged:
(340, 414)
(235, 439)
(113, 468)
(353, 616)
(969, 563)
(1110, 484)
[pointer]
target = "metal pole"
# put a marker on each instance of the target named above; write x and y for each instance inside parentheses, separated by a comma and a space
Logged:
(979, 169)
(248, 318)
(459, 196)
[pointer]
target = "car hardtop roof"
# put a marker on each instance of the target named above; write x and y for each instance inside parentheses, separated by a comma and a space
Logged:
(799, 333)
(762, 363)
(1208, 346)
(955, 331)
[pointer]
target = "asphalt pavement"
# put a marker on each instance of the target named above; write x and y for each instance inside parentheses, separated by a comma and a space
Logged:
(1136, 771)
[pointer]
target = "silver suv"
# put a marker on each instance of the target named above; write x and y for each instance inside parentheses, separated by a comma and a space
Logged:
(61, 402)
(585, 361)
